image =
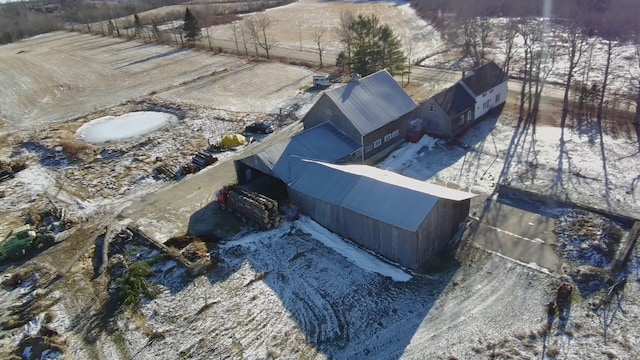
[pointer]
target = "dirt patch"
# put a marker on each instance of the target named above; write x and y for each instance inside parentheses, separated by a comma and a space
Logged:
(587, 238)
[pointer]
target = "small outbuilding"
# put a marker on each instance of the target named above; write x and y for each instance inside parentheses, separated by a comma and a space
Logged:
(403, 219)
(373, 111)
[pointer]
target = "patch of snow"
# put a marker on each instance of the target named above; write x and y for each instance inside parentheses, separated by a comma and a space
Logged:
(116, 128)
(406, 155)
(50, 355)
(357, 256)
(33, 327)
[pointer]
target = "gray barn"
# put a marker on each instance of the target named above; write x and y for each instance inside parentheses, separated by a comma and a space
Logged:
(403, 219)
(373, 111)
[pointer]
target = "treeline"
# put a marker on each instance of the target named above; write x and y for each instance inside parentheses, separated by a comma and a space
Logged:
(603, 17)
(17, 21)
(25, 19)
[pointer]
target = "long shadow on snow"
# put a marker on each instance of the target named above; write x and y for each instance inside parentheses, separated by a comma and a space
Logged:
(155, 57)
(472, 145)
(344, 311)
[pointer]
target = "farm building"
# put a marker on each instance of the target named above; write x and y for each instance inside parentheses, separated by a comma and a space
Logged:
(373, 111)
(403, 219)
(323, 142)
(455, 109)
(488, 85)
(448, 112)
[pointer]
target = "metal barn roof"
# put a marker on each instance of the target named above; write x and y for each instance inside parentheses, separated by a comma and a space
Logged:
(323, 142)
(379, 194)
(372, 102)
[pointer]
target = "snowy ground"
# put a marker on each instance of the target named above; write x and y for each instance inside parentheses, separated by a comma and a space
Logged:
(297, 291)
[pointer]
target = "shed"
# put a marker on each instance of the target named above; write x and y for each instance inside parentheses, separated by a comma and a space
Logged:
(373, 111)
(403, 219)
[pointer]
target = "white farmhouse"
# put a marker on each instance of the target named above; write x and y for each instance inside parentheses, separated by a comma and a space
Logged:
(488, 85)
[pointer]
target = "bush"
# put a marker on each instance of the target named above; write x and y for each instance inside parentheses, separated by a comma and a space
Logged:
(135, 285)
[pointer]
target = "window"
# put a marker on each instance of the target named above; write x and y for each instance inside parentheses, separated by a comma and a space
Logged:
(491, 91)
(368, 148)
(395, 133)
(461, 120)
(485, 105)
(387, 137)
(377, 143)
(431, 108)
(469, 115)
(497, 98)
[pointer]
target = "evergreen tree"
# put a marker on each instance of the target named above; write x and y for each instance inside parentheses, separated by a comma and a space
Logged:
(191, 28)
(137, 24)
(110, 27)
(374, 47)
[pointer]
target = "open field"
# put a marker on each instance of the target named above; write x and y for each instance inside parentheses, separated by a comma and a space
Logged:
(60, 76)
(296, 291)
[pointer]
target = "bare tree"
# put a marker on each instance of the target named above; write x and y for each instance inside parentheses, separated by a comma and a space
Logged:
(526, 32)
(480, 41)
(608, 306)
(605, 76)
(299, 33)
(264, 23)
(345, 33)
(208, 38)
(544, 64)
(244, 41)
(234, 27)
(510, 34)
(636, 84)
(252, 27)
(408, 45)
(317, 39)
(471, 37)
(576, 44)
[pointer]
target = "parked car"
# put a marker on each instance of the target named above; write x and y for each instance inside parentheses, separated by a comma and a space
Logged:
(259, 128)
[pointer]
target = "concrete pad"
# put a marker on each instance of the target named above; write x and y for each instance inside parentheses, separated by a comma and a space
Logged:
(520, 234)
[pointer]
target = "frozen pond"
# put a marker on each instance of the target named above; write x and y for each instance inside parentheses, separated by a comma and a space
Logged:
(129, 125)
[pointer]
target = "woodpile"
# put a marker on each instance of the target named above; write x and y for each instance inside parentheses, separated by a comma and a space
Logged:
(254, 207)
(199, 161)
(203, 159)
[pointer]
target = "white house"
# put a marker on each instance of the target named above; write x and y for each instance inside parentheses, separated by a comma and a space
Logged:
(488, 85)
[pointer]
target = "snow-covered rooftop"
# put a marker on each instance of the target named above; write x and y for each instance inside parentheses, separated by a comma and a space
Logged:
(373, 192)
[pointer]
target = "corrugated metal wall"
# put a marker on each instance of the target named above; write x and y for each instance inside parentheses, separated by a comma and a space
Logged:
(440, 227)
(396, 244)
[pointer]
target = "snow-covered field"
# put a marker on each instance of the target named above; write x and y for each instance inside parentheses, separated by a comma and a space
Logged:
(297, 291)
